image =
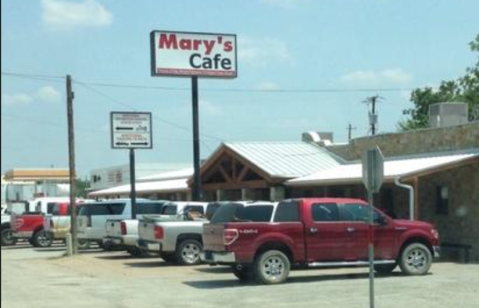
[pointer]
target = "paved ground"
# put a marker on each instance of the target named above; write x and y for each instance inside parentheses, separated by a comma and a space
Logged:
(42, 278)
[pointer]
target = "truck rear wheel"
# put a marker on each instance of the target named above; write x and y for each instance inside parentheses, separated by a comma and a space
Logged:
(188, 252)
(83, 244)
(41, 239)
(415, 259)
(272, 267)
(7, 237)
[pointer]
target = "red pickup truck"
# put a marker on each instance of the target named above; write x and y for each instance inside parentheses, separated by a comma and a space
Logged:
(30, 226)
(319, 232)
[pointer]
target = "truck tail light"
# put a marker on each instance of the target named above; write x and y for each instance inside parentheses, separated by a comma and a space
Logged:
(159, 233)
(123, 228)
(230, 235)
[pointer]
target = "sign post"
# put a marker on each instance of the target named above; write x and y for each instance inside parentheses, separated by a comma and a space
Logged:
(131, 130)
(373, 176)
(193, 54)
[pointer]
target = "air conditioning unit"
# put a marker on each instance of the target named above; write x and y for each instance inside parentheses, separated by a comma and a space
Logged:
(448, 114)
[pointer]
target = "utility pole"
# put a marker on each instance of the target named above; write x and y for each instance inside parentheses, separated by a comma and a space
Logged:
(71, 163)
(197, 194)
(373, 117)
(350, 129)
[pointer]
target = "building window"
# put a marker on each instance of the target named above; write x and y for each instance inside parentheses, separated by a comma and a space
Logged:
(442, 200)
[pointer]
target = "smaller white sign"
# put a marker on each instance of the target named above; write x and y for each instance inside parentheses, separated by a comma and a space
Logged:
(131, 130)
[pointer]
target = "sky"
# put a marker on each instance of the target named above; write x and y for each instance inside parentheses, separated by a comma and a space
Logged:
(329, 55)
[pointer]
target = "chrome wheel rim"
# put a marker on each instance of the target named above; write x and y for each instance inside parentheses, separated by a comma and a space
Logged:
(273, 268)
(416, 260)
(43, 239)
(191, 253)
(8, 237)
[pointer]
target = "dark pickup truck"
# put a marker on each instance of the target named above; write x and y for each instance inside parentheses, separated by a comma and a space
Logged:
(319, 232)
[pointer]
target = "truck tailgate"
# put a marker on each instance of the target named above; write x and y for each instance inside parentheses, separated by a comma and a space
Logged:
(113, 228)
(213, 237)
(146, 231)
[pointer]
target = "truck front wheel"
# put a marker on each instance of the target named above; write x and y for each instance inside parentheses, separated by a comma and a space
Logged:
(416, 259)
(272, 267)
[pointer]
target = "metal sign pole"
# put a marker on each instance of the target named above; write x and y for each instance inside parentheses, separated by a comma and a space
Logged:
(132, 183)
(196, 140)
(371, 248)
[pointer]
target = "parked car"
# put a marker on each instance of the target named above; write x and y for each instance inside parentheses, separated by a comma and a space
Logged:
(92, 218)
(7, 234)
(181, 241)
(314, 233)
(29, 226)
(124, 232)
(58, 224)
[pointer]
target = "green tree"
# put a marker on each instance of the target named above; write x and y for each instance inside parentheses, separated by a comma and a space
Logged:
(81, 188)
(464, 89)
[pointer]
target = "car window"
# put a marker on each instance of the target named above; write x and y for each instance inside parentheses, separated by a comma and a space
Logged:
(170, 209)
(325, 212)
(102, 209)
(194, 208)
(235, 212)
(149, 208)
(354, 212)
(287, 211)
(51, 206)
(211, 209)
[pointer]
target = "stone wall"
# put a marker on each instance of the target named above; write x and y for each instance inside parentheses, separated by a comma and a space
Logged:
(413, 142)
(461, 224)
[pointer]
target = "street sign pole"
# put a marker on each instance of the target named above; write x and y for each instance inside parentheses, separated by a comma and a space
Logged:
(196, 140)
(132, 183)
(373, 176)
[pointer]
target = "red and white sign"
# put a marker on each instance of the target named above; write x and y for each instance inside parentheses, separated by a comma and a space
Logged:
(184, 54)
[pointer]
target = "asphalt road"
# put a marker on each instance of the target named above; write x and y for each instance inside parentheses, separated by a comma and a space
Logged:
(43, 278)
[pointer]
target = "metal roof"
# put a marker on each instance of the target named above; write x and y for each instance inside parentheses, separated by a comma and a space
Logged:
(286, 159)
(397, 167)
(146, 187)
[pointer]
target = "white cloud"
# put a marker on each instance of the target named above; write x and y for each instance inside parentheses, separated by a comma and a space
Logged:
(16, 99)
(283, 3)
(263, 51)
(268, 85)
(60, 14)
(374, 78)
(210, 108)
(48, 94)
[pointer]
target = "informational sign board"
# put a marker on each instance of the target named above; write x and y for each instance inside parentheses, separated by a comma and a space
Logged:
(373, 169)
(131, 130)
(186, 54)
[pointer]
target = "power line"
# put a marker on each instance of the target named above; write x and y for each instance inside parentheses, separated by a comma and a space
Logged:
(115, 101)
(225, 90)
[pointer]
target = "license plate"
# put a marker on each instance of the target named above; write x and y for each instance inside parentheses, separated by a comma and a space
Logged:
(153, 247)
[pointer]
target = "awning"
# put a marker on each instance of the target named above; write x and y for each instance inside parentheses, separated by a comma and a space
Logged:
(402, 167)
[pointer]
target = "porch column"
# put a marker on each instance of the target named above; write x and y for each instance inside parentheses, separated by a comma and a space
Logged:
(277, 193)
(220, 195)
(247, 194)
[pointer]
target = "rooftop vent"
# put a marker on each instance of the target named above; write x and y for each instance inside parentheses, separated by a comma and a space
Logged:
(447, 114)
(321, 138)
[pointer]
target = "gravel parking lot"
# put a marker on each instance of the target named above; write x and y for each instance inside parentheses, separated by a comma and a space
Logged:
(43, 278)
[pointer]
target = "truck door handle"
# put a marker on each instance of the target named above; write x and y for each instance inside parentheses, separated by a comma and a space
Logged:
(350, 229)
(313, 230)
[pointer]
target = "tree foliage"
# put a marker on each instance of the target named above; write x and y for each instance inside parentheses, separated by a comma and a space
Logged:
(465, 89)
(81, 188)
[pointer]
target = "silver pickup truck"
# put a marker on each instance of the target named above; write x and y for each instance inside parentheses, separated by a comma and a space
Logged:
(178, 241)
(124, 233)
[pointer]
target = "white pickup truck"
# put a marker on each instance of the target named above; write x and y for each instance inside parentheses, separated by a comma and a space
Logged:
(92, 218)
(180, 241)
(124, 233)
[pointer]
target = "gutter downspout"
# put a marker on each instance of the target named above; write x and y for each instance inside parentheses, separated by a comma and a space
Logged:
(411, 196)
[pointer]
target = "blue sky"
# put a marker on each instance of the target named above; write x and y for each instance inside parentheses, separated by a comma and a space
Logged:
(283, 44)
